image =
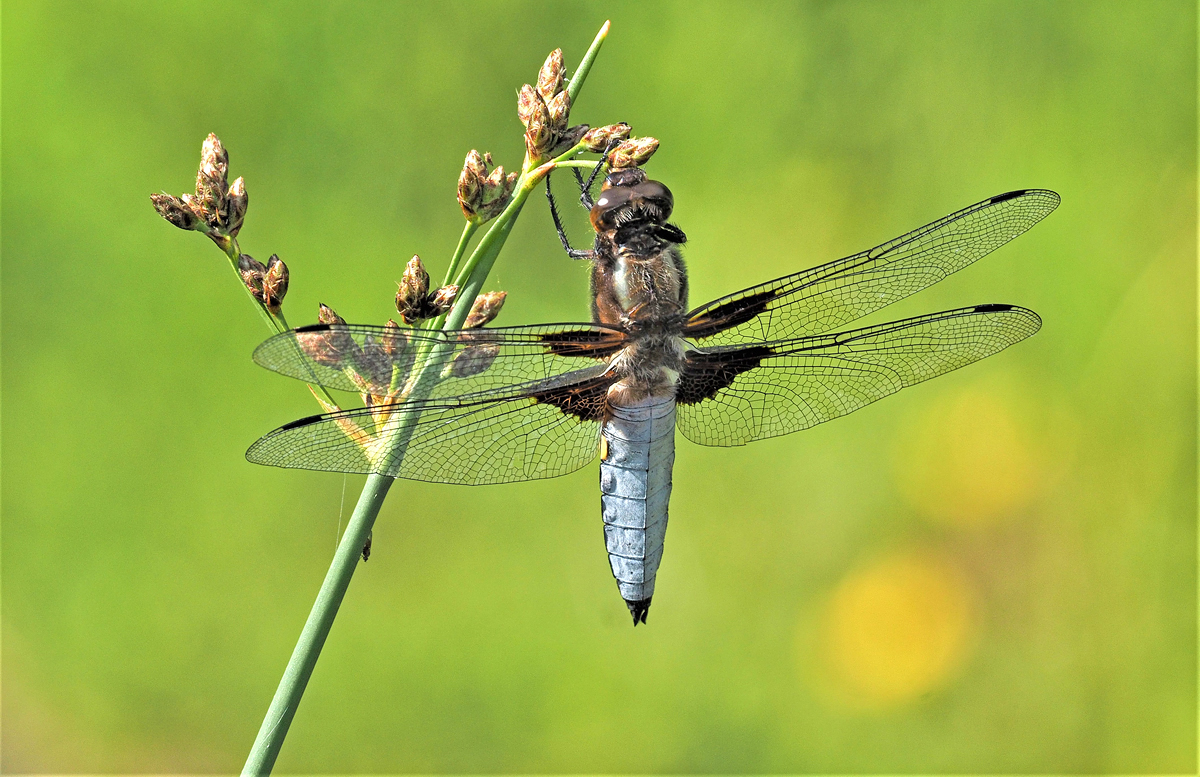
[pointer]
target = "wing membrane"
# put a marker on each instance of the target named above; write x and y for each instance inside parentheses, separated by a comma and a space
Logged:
(822, 298)
(376, 359)
(505, 436)
(735, 395)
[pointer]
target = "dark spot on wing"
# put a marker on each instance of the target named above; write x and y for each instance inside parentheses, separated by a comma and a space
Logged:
(992, 308)
(584, 342)
(1007, 196)
(312, 328)
(312, 419)
(587, 400)
(704, 374)
(729, 314)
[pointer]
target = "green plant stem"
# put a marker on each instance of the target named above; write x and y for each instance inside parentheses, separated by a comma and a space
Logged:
(274, 318)
(304, 657)
(468, 230)
(316, 628)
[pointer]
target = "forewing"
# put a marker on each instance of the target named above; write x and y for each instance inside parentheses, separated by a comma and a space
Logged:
(822, 298)
(376, 359)
(550, 430)
(735, 395)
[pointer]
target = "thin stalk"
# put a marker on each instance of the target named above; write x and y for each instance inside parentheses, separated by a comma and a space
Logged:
(468, 231)
(337, 580)
(274, 319)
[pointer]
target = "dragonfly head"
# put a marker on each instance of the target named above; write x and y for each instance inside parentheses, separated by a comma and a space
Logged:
(628, 196)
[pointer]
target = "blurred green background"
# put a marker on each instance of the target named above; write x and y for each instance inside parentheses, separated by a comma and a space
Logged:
(992, 572)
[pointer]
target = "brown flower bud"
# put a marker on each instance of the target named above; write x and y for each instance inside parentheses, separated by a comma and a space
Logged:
(214, 159)
(598, 138)
(634, 152)
(394, 341)
(442, 300)
(473, 360)
(176, 211)
(485, 309)
(551, 76)
(559, 109)
(238, 201)
(411, 296)
(529, 103)
(497, 191)
(332, 348)
(539, 133)
(274, 283)
(253, 272)
(482, 196)
(470, 183)
(327, 315)
(211, 200)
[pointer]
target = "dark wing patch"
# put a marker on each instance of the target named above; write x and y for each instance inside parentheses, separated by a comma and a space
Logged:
(705, 373)
(589, 343)
(802, 382)
(825, 297)
(728, 314)
(521, 434)
(586, 400)
(379, 360)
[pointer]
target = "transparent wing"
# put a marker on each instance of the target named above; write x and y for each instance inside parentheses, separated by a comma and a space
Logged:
(735, 395)
(819, 299)
(377, 359)
(543, 431)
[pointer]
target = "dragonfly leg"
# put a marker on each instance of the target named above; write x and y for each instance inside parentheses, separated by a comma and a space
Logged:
(574, 253)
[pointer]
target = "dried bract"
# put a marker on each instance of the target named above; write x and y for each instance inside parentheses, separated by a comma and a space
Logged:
(176, 211)
(413, 291)
(253, 272)
(474, 359)
(333, 347)
(483, 195)
(559, 109)
(634, 152)
(551, 76)
(599, 138)
(238, 202)
(274, 283)
(485, 309)
(442, 300)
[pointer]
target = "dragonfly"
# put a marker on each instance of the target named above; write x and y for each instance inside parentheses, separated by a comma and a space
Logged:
(505, 404)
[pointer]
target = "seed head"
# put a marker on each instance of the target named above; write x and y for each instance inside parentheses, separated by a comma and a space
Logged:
(559, 109)
(598, 138)
(274, 283)
(214, 159)
(474, 359)
(634, 152)
(333, 348)
(414, 287)
(176, 211)
(485, 309)
(482, 196)
(394, 341)
(539, 133)
(551, 76)
(253, 272)
(442, 300)
(238, 201)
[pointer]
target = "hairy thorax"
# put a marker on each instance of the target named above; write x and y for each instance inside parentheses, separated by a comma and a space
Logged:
(640, 285)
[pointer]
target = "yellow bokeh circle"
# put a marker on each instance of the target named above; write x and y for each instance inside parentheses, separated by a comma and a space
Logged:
(896, 630)
(970, 460)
